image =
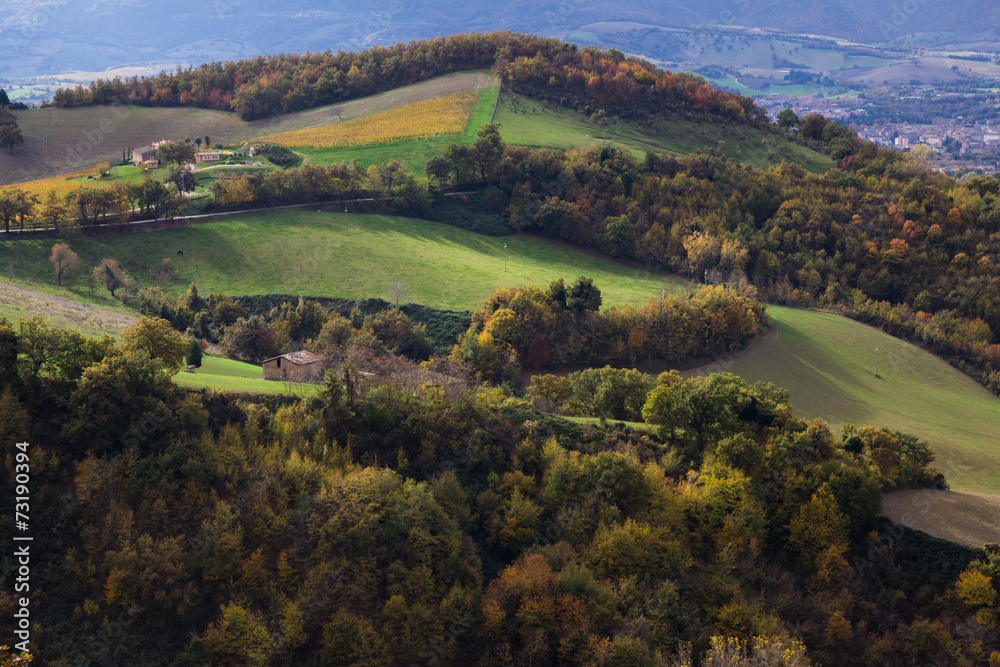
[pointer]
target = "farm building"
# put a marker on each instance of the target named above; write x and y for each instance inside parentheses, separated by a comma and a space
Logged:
(140, 155)
(208, 156)
(301, 366)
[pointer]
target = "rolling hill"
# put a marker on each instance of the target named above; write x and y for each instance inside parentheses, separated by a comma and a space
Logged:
(296, 251)
(528, 122)
(824, 360)
(827, 363)
(65, 140)
(48, 38)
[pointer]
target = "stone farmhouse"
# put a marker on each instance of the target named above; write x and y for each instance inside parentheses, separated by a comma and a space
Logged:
(146, 155)
(207, 156)
(301, 366)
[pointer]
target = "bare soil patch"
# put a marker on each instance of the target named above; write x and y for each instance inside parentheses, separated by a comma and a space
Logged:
(972, 519)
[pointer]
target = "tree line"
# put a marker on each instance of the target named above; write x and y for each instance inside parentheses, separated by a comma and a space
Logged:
(285, 83)
(526, 327)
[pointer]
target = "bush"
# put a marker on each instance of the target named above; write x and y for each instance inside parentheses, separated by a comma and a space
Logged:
(279, 155)
(250, 339)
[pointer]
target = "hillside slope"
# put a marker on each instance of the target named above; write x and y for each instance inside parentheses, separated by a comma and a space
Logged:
(527, 122)
(972, 519)
(296, 251)
(58, 141)
(827, 363)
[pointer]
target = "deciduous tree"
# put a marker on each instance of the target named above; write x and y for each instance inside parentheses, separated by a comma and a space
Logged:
(64, 261)
(157, 338)
(109, 273)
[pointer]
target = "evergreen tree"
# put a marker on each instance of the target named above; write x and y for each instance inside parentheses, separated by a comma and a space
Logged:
(193, 356)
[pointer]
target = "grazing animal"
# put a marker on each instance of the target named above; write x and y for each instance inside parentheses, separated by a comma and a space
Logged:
(180, 252)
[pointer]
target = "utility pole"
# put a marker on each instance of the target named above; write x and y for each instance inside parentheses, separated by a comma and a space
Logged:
(876, 361)
(706, 277)
(347, 223)
(505, 257)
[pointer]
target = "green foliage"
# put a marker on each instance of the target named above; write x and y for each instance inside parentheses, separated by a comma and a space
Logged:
(56, 353)
(194, 354)
(112, 393)
(395, 330)
(249, 339)
(369, 525)
(787, 119)
(607, 392)
(279, 155)
(179, 152)
(541, 331)
(900, 460)
(155, 337)
(10, 133)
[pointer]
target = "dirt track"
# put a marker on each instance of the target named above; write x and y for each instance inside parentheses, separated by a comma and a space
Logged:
(972, 519)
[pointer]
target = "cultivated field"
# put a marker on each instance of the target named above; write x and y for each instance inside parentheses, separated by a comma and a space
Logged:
(62, 185)
(431, 118)
(296, 251)
(411, 153)
(922, 70)
(972, 519)
(528, 122)
(59, 141)
(827, 363)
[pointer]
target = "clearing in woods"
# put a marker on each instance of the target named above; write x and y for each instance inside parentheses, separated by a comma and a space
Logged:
(972, 519)
(232, 375)
(827, 363)
(59, 141)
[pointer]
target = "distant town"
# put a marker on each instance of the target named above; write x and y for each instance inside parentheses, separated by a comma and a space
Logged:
(956, 143)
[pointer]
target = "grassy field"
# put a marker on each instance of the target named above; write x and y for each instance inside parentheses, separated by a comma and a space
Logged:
(91, 315)
(827, 363)
(216, 373)
(528, 122)
(58, 141)
(295, 251)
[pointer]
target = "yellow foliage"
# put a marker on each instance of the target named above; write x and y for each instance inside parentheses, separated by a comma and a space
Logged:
(777, 651)
(975, 588)
(62, 185)
(430, 118)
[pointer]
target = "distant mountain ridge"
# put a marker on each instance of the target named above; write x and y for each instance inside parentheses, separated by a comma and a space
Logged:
(52, 36)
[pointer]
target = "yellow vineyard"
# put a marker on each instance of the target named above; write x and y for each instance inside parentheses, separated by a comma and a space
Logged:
(61, 184)
(441, 115)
